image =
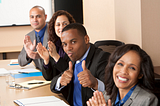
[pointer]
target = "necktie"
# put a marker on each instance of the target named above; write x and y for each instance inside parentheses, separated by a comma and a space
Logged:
(38, 38)
(77, 97)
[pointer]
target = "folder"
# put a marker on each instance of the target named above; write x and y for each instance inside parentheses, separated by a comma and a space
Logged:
(30, 84)
(41, 101)
(32, 74)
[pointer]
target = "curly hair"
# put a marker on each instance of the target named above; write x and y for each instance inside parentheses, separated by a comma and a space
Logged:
(51, 30)
(146, 68)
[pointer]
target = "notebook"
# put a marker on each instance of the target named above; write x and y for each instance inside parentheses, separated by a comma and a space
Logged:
(41, 101)
(14, 62)
(31, 84)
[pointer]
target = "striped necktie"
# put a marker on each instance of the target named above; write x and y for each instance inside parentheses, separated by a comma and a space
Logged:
(38, 38)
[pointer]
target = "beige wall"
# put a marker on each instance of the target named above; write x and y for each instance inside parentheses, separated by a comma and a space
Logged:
(13, 36)
(130, 21)
(151, 29)
(99, 19)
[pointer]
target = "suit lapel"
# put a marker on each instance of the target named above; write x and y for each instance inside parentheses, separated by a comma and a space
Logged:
(32, 36)
(90, 55)
(45, 39)
(133, 96)
(88, 63)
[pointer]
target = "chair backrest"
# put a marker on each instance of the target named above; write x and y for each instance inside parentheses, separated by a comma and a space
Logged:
(108, 45)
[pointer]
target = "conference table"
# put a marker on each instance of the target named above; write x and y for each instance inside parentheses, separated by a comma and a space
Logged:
(7, 94)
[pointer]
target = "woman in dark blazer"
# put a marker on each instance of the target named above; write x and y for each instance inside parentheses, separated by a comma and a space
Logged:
(56, 60)
(129, 79)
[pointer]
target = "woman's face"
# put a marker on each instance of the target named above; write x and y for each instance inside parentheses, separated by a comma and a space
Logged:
(126, 70)
(60, 23)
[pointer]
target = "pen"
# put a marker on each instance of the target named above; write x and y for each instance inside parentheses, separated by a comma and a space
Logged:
(35, 83)
(23, 72)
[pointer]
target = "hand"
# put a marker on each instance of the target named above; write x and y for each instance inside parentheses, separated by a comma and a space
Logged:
(32, 54)
(28, 43)
(98, 100)
(29, 48)
(43, 52)
(67, 75)
(52, 51)
(86, 79)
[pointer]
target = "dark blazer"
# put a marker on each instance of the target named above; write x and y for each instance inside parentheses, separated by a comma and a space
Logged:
(139, 97)
(22, 58)
(54, 68)
(96, 62)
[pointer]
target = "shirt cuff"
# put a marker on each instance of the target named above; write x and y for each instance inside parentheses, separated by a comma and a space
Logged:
(57, 87)
(45, 66)
(101, 86)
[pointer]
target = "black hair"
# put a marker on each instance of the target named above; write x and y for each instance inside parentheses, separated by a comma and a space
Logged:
(146, 69)
(80, 28)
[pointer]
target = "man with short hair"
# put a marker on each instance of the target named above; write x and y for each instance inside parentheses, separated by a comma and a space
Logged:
(38, 35)
(86, 71)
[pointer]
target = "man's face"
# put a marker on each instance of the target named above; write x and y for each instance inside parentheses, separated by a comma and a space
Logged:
(37, 18)
(74, 44)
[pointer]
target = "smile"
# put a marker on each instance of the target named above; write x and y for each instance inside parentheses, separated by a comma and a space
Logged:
(122, 79)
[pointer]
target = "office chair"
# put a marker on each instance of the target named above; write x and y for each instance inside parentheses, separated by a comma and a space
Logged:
(108, 45)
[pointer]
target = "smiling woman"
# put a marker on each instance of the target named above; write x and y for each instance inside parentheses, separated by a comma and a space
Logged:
(129, 78)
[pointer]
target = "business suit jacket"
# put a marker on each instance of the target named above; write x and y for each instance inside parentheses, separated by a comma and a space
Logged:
(139, 97)
(22, 58)
(55, 68)
(96, 62)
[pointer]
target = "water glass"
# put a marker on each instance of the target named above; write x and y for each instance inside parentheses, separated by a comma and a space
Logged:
(10, 79)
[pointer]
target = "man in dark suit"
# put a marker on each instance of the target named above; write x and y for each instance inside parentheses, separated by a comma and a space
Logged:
(39, 34)
(86, 71)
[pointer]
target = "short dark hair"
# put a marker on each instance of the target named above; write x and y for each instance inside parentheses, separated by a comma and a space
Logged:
(40, 8)
(80, 28)
(146, 68)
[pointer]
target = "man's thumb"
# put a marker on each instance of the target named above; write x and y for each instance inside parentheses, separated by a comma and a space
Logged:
(70, 66)
(84, 65)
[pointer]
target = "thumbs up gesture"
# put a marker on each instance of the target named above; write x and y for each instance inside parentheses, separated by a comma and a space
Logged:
(86, 79)
(67, 75)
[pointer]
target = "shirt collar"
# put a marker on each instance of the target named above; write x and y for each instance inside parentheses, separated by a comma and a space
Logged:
(84, 56)
(119, 102)
(41, 32)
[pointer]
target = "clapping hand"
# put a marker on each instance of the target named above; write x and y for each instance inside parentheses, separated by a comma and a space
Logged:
(52, 51)
(98, 100)
(28, 43)
(86, 79)
(67, 75)
(43, 52)
(29, 48)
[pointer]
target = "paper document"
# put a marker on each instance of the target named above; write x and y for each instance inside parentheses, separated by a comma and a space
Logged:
(14, 61)
(27, 70)
(3, 72)
(31, 84)
(41, 101)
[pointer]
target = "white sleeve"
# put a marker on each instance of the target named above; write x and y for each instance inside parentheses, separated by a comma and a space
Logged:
(57, 87)
(101, 86)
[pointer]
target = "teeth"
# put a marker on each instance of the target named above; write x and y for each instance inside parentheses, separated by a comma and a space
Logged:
(123, 79)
